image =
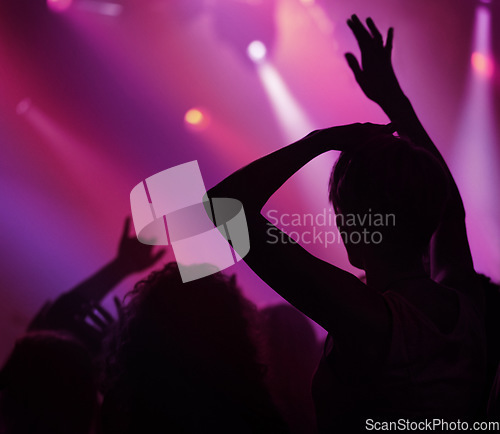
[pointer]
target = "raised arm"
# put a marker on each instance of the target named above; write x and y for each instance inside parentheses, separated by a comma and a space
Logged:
(132, 257)
(333, 298)
(76, 309)
(450, 257)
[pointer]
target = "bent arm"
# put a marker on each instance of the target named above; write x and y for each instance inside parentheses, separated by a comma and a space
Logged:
(255, 183)
(337, 300)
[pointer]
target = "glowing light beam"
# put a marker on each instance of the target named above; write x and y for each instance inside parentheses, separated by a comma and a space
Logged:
(476, 161)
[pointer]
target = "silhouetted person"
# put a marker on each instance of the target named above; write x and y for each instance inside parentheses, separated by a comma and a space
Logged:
(404, 344)
(50, 379)
(184, 359)
(492, 302)
(292, 353)
(48, 386)
(78, 310)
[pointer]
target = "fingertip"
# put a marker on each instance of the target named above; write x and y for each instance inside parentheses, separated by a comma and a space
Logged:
(352, 61)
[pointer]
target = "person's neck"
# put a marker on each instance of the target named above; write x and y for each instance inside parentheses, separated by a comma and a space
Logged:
(381, 274)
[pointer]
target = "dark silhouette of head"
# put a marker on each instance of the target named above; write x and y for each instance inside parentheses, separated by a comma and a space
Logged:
(393, 191)
(49, 385)
(190, 346)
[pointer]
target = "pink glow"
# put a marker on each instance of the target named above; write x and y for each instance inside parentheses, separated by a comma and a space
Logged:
(134, 77)
(482, 64)
(59, 5)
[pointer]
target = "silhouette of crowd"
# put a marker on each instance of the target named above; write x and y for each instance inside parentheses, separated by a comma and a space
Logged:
(417, 339)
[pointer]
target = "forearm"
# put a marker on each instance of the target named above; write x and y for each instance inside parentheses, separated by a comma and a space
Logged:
(401, 113)
(96, 287)
(255, 183)
(451, 260)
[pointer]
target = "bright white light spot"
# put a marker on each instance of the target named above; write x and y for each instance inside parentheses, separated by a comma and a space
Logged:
(257, 51)
(59, 5)
(23, 106)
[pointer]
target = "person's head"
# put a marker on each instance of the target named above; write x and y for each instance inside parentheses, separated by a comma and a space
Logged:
(49, 385)
(388, 196)
(182, 339)
(166, 320)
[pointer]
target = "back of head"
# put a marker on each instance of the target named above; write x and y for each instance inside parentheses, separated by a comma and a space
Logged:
(391, 187)
(49, 385)
(168, 321)
(180, 340)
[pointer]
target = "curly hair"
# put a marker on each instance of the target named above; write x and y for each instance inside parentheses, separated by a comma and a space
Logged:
(203, 327)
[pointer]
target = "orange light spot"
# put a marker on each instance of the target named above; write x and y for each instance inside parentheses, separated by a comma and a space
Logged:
(194, 117)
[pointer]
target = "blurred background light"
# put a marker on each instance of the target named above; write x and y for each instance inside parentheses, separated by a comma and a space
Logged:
(101, 7)
(23, 106)
(92, 105)
(257, 51)
(482, 64)
(59, 5)
(196, 118)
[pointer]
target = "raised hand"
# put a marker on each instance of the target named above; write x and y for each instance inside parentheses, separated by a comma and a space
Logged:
(375, 76)
(133, 255)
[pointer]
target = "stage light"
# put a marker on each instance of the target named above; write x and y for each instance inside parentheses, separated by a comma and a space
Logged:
(59, 5)
(23, 106)
(196, 119)
(257, 51)
(482, 64)
(475, 159)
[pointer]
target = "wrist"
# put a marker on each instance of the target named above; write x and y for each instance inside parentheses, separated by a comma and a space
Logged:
(395, 104)
(119, 268)
(392, 95)
(324, 140)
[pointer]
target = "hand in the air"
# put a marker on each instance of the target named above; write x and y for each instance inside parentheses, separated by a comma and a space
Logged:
(375, 75)
(133, 255)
